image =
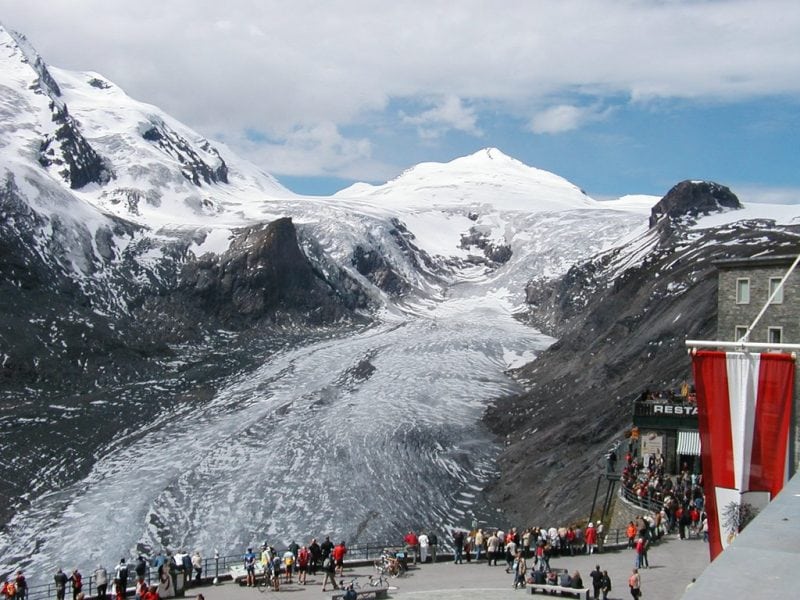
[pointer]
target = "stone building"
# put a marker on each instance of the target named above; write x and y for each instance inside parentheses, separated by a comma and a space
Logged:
(744, 287)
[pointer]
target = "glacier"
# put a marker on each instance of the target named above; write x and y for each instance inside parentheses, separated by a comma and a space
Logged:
(358, 432)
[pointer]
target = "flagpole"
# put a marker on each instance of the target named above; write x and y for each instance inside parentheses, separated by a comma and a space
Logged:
(777, 289)
(743, 346)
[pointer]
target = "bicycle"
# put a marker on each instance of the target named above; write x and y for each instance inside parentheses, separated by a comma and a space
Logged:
(380, 580)
(353, 583)
(266, 584)
(388, 565)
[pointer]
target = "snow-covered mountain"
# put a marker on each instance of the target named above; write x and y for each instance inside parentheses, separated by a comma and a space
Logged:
(165, 298)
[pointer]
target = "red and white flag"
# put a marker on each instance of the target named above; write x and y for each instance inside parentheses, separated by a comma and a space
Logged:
(744, 403)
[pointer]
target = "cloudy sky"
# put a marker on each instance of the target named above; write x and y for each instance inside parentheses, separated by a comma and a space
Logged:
(618, 96)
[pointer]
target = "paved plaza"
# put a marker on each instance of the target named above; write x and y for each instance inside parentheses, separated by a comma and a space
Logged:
(673, 564)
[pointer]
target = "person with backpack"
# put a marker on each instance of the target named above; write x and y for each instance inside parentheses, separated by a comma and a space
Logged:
(329, 570)
(275, 568)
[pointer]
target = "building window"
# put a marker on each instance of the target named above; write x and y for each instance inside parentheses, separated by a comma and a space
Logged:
(743, 290)
(775, 335)
(740, 331)
(774, 282)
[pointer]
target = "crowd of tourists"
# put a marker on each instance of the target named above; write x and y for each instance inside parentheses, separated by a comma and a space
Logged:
(533, 542)
(151, 579)
(524, 553)
(281, 567)
(680, 498)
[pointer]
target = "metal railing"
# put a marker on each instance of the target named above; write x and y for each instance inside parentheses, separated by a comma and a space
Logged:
(212, 567)
(649, 503)
(218, 567)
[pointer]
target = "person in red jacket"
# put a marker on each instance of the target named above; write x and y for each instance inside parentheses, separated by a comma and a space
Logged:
(151, 594)
(412, 545)
(303, 558)
(591, 538)
(338, 557)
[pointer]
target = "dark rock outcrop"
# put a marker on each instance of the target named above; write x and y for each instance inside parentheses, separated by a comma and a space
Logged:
(193, 166)
(372, 265)
(495, 254)
(694, 198)
(68, 149)
(621, 329)
(263, 272)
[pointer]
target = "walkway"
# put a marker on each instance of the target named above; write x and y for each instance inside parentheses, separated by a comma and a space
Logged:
(673, 564)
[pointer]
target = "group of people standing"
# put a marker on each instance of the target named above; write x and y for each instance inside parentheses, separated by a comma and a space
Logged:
(541, 543)
(296, 559)
(105, 584)
(423, 545)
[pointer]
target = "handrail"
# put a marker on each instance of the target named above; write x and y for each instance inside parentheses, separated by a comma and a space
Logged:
(212, 567)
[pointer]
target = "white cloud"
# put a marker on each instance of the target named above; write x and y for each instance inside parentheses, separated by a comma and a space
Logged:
(281, 67)
(318, 150)
(749, 193)
(564, 117)
(448, 113)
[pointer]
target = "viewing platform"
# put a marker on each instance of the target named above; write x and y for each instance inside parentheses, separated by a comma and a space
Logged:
(673, 565)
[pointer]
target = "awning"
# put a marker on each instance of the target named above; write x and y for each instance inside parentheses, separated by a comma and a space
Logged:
(689, 443)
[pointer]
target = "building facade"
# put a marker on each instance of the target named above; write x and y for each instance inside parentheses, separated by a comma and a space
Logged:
(745, 286)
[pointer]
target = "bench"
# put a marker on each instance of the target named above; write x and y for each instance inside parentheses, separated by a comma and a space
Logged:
(553, 589)
(376, 593)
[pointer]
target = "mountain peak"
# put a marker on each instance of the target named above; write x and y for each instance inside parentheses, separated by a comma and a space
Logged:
(693, 198)
(25, 53)
(487, 177)
(490, 153)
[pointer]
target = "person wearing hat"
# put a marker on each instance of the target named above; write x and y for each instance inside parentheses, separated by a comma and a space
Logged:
(591, 539)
